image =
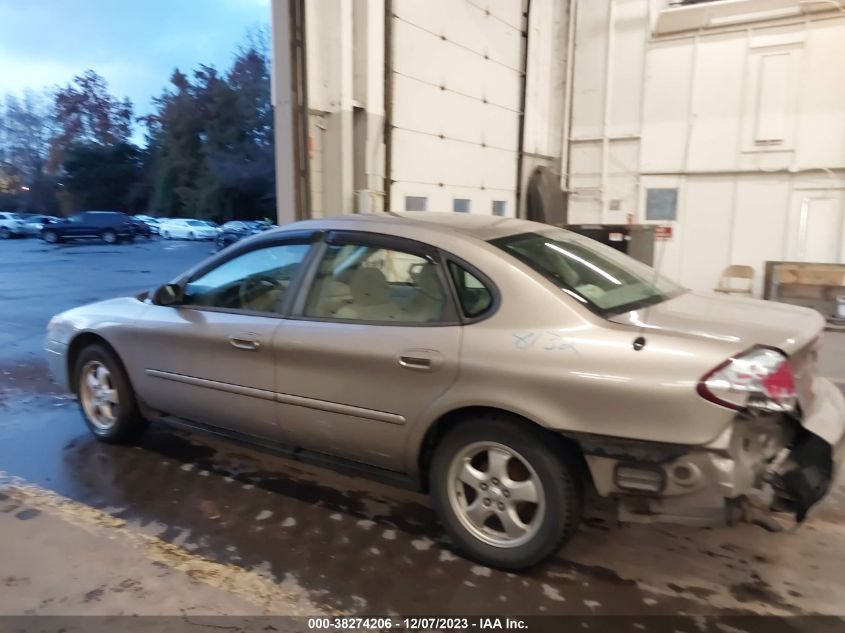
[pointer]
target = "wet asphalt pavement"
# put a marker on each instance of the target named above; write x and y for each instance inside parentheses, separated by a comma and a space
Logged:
(333, 542)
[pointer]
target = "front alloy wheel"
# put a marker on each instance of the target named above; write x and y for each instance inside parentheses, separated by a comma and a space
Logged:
(5, 233)
(109, 237)
(506, 491)
(98, 395)
(51, 237)
(106, 397)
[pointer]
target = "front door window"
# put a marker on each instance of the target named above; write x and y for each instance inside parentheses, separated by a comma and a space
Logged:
(256, 281)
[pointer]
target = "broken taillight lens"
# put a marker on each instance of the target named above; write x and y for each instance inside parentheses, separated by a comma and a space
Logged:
(760, 379)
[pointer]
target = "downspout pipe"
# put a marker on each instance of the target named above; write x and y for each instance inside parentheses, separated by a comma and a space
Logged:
(526, 21)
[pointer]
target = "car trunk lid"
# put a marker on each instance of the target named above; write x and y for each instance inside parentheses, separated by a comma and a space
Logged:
(741, 324)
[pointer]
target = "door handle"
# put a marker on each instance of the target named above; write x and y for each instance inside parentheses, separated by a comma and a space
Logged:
(245, 342)
(419, 359)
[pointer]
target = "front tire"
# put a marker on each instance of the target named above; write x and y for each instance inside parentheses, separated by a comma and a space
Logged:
(507, 496)
(109, 237)
(51, 237)
(106, 398)
(5, 233)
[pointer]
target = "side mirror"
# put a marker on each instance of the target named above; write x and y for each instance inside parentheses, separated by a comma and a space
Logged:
(169, 295)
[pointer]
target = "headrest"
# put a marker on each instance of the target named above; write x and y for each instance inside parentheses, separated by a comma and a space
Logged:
(428, 282)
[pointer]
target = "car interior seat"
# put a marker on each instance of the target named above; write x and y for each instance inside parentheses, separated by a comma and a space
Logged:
(427, 302)
(370, 298)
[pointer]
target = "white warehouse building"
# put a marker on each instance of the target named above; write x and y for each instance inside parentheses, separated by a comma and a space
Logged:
(721, 121)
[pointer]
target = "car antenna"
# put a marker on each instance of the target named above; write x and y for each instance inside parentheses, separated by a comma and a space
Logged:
(659, 249)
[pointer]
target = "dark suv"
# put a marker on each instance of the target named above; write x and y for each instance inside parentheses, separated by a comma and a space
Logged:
(109, 226)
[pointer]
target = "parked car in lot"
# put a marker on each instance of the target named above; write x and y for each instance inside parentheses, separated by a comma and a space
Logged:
(236, 230)
(11, 225)
(503, 366)
(150, 221)
(177, 228)
(140, 228)
(34, 224)
(109, 226)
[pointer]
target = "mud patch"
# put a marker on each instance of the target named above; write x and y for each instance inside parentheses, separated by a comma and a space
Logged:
(14, 581)
(698, 592)
(602, 573)
(26, 515)
(758, 590)
(94, 595)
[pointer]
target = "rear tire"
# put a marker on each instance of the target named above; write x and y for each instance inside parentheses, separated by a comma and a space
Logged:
(106, 398)
(109, 236)
(5, 233)
(507, 496)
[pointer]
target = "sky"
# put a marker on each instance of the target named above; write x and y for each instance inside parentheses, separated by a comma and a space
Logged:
(134, 44)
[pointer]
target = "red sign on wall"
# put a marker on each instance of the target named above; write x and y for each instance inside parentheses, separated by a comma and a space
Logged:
(663, 232)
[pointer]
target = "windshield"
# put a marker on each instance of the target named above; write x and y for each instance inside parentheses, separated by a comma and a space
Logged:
(195, 223)
(606, 280)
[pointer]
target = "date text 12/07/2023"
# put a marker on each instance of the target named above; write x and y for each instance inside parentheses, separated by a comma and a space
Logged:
(415, 624)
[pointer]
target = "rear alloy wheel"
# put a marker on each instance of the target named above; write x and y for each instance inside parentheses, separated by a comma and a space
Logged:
(165, 235)
(505, 495)
(5, 233)
(109, 237)
(51, 237)
(192, 236)
(105, 396)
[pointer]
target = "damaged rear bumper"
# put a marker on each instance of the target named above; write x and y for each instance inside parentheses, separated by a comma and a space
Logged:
(757, 467)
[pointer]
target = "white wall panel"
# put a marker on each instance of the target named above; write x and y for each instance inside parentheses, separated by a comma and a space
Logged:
(717, 103)
(630, 22)
(822, 100)
(451, 115)
(669, 68)
(456, 101)
(585, 165)
(760, 223)
(546, 77)
(707, 218)
(588, 81)
(420, 55)
(425, 159)
(465, 25)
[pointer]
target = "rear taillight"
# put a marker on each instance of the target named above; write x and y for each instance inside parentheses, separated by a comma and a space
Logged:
(760, 379)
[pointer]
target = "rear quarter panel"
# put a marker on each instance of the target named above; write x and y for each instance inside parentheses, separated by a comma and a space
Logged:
(545, 358)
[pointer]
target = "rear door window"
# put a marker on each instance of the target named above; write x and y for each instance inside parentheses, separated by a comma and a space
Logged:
(359, 282)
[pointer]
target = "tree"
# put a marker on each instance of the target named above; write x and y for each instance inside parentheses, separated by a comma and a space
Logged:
(174, 135)
(104, 177)
(85, 113)
(211, 140)
(25, 131)
(26, 126)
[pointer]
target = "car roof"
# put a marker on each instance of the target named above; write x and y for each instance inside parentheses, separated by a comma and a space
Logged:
(479, 226)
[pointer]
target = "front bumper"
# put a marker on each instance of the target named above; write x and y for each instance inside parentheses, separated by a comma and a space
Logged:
(57, 362)
(757, 467)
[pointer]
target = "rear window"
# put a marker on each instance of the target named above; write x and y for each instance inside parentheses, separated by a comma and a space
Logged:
(605, 280)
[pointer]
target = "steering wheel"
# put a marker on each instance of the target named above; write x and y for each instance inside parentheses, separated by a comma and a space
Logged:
(254, 287)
